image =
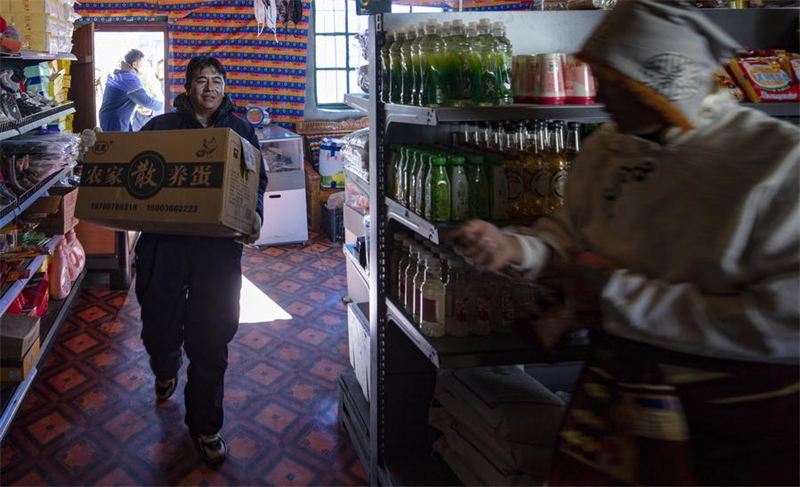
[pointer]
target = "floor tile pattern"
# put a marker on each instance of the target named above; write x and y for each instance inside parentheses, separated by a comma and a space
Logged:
(90, 417)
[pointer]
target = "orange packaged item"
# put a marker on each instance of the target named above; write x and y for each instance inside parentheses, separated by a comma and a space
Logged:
(791, 64)
(763, 79)
(726, 83)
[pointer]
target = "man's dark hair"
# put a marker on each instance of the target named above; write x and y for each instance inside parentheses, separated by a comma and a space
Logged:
(198, 64)
(133, 56)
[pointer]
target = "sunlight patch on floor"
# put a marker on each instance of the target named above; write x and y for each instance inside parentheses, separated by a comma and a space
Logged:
(257, 307)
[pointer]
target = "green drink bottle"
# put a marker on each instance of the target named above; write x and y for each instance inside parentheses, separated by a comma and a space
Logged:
(438, 195)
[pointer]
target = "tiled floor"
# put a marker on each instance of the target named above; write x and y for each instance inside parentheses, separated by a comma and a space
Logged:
(91, 418)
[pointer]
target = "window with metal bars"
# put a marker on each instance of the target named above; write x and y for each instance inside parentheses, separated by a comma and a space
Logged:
(338, 54)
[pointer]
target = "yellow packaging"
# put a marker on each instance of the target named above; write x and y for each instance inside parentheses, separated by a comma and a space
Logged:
(18, 370)
(186, 182)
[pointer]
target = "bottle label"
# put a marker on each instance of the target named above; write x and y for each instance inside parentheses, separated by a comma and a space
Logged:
(540, 184)
(430, 310)
(559, 183)
(514, 185)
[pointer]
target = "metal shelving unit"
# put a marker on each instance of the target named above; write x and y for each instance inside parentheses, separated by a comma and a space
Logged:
(12, 211)
(39, 56)
(13, 289)
(405, 362)
(351, 255)
(412, 115)
(451, 352)
(32, 122)
(57, 313)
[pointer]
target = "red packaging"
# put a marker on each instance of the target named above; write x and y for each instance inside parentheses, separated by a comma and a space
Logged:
(579, 82)
(34, 297)
(763, 80)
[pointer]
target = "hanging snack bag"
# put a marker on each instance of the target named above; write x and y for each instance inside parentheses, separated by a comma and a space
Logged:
(331, 163)
(763, 79)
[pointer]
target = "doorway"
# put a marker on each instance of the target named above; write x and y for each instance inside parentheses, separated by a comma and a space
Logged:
(112, 41)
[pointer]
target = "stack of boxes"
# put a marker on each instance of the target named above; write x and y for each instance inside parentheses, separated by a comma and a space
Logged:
(52, 80)
(44, 25)
(19, 346)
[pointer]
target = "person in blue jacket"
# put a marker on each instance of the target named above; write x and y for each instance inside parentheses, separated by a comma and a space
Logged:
(124, 90)
(188, 287)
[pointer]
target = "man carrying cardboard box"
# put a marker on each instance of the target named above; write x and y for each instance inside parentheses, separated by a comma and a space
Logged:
(189, 286)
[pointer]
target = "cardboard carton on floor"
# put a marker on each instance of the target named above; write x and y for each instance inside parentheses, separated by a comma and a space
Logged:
(17, 370)
(184, 182)
(17, 334)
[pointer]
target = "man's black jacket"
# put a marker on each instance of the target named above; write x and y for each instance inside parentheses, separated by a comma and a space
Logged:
(184, 118)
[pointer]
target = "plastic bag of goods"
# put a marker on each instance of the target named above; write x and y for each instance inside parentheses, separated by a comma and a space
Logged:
(331, 163)
(356, 153)
(363, 78)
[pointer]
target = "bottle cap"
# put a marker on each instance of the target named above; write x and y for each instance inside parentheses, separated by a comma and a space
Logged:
(485, 22)
(457, 23)
(494, 159)
(457, 160)
(439, 161)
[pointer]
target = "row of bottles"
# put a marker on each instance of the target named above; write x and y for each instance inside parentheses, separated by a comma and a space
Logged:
(489, 171)
(449, 65)
(444, 296)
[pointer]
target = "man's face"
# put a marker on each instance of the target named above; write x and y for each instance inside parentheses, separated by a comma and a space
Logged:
(207, 90)
(631, 115)
(137, 64)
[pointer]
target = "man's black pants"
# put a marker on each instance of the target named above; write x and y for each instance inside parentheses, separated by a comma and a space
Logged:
(188, 288)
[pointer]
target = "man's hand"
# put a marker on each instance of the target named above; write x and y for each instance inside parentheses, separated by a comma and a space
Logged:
(484, 245)
(255, 233)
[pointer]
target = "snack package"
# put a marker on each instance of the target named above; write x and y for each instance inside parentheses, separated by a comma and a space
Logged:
(790, 62)
(763, 79)
(726, 83)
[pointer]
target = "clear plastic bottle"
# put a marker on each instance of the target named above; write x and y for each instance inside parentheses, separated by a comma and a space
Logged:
(483, 65)
(432, 58)
(457, 299)
(386, 65)
(533, 173)
(394, 163)
(400, 245)
(396, 61)
(513, 164)
(416, 84)
(499, 187)
(408, 277)
(400, 175)
(478, 187)
(573, 144)
(406, 51)
(421, 184)
(558, 164)
(411, 181)
(437, 197)
(504, 307)
(505, 59)
(459, 189)
(457, 78)
(433, 294)
(419, 278)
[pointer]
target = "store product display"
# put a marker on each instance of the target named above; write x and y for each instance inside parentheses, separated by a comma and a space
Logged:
(767, 76)
(437, 65)
(490, 171)
(44, 26)
(445, 296)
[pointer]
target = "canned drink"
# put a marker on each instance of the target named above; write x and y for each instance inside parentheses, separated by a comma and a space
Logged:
(551, 79)
(579, 82)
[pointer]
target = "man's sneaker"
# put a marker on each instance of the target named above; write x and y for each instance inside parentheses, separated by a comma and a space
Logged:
(165, 388)
(211, 447)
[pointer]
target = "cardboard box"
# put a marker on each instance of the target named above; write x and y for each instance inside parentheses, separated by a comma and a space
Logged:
(18, 370)
(17, 334)
(184, 182)
(35, 6)
(60, 205)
